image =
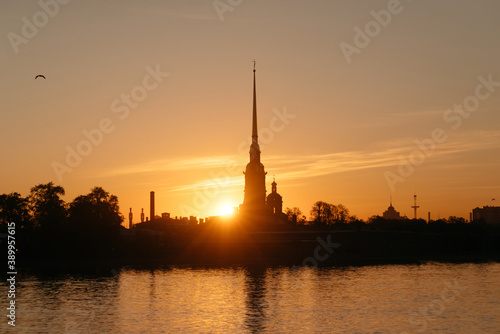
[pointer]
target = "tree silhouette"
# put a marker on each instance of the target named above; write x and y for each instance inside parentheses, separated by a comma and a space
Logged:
(14, 208)
(323, 213)
(342, 214)
(94, 223)
(456, 220)
(96, 210)
(295, 216)
(48, 209)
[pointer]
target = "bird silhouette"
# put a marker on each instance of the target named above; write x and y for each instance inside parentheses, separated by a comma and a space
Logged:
(40, 76)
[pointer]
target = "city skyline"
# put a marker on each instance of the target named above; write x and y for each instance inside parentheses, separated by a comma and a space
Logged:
(165, 103)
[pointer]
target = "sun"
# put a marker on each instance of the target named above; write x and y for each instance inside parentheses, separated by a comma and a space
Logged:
(226, 210)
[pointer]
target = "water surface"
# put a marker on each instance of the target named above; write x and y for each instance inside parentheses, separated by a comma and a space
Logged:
(427, 298)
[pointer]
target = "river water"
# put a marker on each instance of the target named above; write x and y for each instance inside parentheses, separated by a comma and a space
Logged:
(425, 298)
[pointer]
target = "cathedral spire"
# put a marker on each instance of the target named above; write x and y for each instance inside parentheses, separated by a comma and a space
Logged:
(254, 148)
(254, 120)
(255, 175)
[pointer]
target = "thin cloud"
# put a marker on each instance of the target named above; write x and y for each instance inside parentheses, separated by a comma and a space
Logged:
(164, 165)
(290, 168)
(224, 184)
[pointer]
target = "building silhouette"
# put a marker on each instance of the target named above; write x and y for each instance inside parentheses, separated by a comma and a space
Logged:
(489, 214)
(256, 206)
(391, 213)
(254, 203)
(275, 202)
(130, 217)
(152, 205)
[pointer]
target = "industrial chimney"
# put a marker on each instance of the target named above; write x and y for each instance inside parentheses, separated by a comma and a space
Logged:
(130, 216)
(152, 206)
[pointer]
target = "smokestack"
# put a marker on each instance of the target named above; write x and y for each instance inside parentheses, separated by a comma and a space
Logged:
(152, 206)
(130, 216)
(428, 217)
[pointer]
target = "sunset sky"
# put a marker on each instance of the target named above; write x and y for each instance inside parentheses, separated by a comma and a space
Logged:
(345, 91)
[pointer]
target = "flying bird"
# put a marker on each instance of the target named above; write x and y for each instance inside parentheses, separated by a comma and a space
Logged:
(40, 76)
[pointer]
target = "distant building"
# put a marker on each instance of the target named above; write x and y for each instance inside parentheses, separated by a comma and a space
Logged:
(166, 220)
(490, 214)
(391, 213)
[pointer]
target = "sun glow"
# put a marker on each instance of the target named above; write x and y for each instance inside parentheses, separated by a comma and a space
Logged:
(226, 210)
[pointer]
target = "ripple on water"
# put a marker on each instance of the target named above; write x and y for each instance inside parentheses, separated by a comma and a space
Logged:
(434, 297)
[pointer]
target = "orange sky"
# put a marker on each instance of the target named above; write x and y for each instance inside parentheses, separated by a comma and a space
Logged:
(345, 92)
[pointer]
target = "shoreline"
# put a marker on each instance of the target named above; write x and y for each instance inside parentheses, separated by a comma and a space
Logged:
(63, 266)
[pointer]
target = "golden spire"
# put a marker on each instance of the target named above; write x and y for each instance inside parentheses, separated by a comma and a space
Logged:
(254, 122)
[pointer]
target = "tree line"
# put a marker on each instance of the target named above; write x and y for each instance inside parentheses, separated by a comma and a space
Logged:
(45, 223)
(89, 226)
(323, 213)
(44, 210)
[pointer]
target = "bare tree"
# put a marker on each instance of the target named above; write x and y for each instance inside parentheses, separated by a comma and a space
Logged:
(342, 214)
(321, 213)
(295, 216)
(327, 214)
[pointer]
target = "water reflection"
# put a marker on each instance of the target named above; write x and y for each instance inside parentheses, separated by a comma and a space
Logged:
(67, 304)
(384, 299)
(255, 301)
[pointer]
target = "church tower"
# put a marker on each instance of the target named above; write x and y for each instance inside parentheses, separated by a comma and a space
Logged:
(275, 201)
(254, 202)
